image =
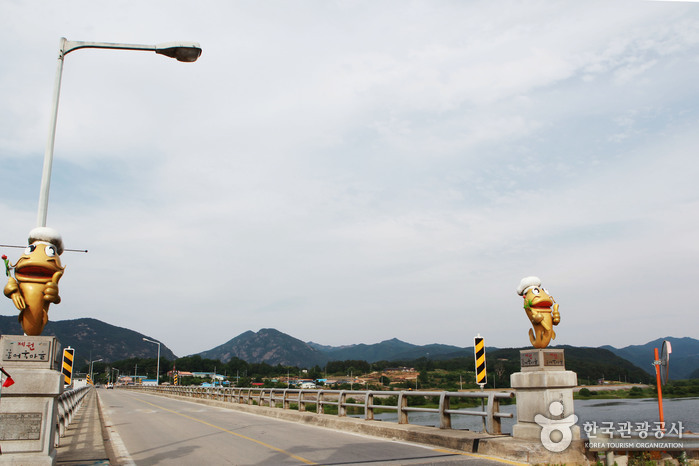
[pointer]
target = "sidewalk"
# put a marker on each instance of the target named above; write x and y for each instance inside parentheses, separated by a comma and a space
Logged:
(83, 443)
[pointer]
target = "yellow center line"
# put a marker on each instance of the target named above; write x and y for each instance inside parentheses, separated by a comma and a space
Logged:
(271, 447)
(476, 455)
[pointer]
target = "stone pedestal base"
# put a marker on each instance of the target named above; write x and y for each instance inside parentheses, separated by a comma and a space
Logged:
(544, 393)
(28, 407)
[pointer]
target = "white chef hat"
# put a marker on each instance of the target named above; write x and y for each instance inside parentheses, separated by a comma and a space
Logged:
(526, 283)
(48, 235)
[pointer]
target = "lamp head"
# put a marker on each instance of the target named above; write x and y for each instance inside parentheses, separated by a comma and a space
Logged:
(180, 51)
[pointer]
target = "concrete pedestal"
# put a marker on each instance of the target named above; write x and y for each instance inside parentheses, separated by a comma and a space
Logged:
(543, 388)
(28, 408)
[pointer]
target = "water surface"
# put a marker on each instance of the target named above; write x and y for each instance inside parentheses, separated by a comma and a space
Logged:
(685, 410)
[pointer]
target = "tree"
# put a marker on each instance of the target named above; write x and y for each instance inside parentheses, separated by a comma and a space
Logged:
(423, 378)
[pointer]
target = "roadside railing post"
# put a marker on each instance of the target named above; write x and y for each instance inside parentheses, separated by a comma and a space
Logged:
(494, 422)
(444, 415)
(369, 406)
(301, 402)
(341, 408)
(320, 406)
(402, 404)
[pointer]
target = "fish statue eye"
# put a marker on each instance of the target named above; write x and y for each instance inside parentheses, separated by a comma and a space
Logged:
(50, 251)
(30, 249)
(535, 290)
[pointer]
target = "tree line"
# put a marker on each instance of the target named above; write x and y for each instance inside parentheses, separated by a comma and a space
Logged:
(451, 372)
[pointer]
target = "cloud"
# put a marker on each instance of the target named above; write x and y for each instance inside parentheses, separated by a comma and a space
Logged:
(352, 172)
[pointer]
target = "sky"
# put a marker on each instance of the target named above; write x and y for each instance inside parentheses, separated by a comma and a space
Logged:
(354, 171)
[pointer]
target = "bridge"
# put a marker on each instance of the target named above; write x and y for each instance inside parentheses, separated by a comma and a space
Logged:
(145, 427)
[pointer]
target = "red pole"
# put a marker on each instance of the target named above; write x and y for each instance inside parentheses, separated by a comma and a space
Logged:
(656, 363)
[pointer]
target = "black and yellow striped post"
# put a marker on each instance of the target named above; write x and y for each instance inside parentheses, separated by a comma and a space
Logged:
(479, 350)
(176, 378)
(67, 369)
(89, 380)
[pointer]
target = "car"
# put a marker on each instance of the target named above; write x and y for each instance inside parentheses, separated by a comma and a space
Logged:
(110, 385)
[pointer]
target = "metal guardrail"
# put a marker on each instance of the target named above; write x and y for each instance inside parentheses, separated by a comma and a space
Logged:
(67, 404)
(366, 400)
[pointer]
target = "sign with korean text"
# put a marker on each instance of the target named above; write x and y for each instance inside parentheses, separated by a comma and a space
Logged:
(26, 350)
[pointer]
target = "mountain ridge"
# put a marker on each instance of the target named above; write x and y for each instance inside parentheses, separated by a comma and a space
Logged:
(267, 345)
(684, 359)
(95, 339)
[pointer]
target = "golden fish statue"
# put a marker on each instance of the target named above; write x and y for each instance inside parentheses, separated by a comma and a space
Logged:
(538, 306)
(35, 283)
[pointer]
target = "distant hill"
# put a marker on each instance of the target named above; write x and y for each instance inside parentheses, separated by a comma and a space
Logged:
(97, 339)
(268, 345)
(387, 350)
(275, 347)
(94, 337)
(684, 360)
(591, 364)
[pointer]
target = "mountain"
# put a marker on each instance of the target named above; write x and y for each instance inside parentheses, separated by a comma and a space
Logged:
(94, 338)
(275, 347)
(590, 364)
(684, 360)
(387, 350)
(270, 346)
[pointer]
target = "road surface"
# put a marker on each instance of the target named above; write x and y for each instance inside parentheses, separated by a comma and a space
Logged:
(158, 430)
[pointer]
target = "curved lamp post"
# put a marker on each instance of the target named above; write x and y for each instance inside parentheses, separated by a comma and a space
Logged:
(92, 381)
(181, 51)
(117, 377)
(157, 375)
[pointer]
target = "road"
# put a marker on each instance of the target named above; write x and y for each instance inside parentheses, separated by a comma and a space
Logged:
(159, 430)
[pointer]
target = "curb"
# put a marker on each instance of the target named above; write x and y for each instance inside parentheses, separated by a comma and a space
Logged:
(116, 450)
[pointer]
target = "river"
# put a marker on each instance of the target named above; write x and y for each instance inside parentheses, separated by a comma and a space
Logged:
(676, 410)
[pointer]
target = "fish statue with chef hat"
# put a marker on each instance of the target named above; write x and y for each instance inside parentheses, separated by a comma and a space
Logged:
(35, 283)
(541, 309)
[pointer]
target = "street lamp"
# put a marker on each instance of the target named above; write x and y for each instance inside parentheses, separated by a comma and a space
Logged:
(181, 51)
(157, 375)
(117, 377)
(91, 363)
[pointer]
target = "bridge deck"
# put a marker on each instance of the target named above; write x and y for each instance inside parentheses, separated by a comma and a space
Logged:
(83, 442)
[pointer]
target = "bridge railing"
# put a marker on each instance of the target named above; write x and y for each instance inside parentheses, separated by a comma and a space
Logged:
(67, 405)
(368, 401)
